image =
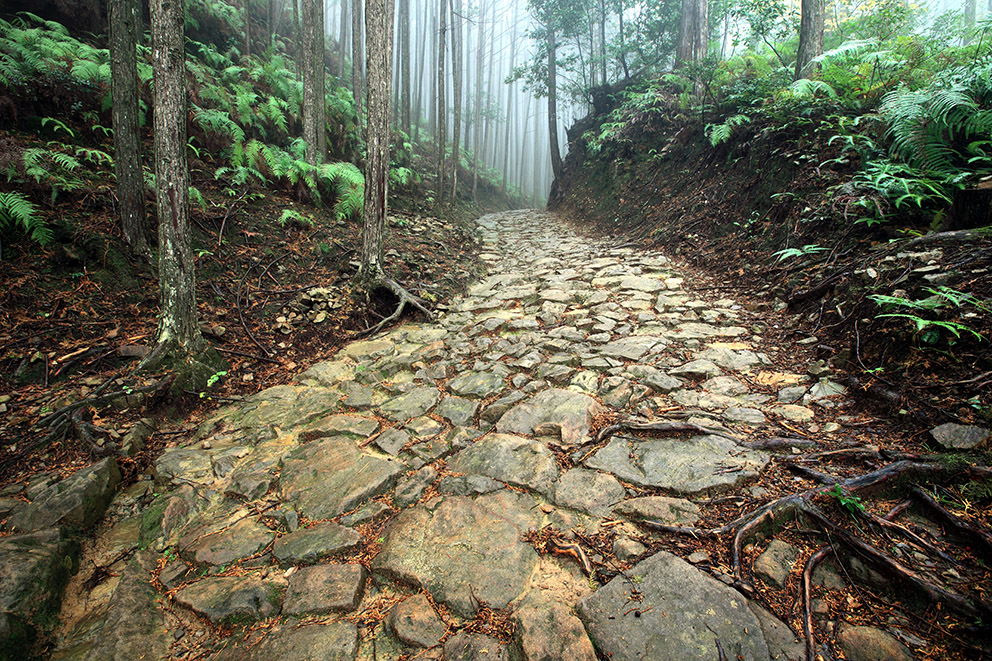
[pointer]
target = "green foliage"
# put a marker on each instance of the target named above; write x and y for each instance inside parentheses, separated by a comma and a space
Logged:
(789, 253)
(852, 504)
(720, 133)
(19, 213)
(940, 299)
(293, 217)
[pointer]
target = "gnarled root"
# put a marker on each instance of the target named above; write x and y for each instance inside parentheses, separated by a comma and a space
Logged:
(405, 298)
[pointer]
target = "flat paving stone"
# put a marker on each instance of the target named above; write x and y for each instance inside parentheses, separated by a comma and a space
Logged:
(562, 413)
(512, 459)
(323, 589)
(308, 545)
(700, 463)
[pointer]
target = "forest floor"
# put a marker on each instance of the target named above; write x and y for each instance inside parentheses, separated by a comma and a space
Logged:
(595, 451)
(274, 298)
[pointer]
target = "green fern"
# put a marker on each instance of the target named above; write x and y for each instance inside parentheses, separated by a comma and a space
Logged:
(720, 133)
(807, 87)
(19, 213)
(218, 123)
(291, 216)
(349, 188)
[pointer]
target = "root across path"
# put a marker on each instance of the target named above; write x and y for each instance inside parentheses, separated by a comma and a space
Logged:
(592, 454)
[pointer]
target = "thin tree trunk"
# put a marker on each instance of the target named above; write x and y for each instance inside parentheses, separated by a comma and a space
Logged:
(343, 31)
(523, 147)
(602, 38)
(456, 98)
(356, 57)
(421, 72)
(623, 43)
(178, 331)
(811, 36)
(379, 40)
(320, 76)
(556, 166)
(509, 103)
(135, 224)
(441, 137)
(487, 133)
(480, 59)
(247, 13)
(405, 65)
(313, 96)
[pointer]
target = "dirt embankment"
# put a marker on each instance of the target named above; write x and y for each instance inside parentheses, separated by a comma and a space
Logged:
(732, 209)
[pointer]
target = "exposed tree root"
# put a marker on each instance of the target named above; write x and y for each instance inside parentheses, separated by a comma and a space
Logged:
(977, 536)
(666, 426)
(811, 565)
(405, 298)
(898, 476)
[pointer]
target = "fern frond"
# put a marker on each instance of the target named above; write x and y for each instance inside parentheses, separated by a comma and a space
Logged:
(16, 211)
(807, 87)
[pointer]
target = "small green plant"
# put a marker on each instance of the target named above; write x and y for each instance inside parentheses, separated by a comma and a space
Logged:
(17, 212)
(940, 299)
(294, 217)
(852, 504)
(789, 253)
(720, 133)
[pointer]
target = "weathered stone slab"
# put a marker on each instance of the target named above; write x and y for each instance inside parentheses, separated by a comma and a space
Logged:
(331, 641)
(76, 502)
(562, 413)
(308, 545)
(478, 385)
(457, 410)
(513, 459)
(681, 613)
(231, 599)
(341, 425)
(34, 567)
(589, 491)
(670, 511)
(325, 588)
(414, 622)
(244, 538)
(465, 646)
(551, 631)
(689, 466)
(461, 551)
(134, 626)
(332, 476)
(411, 404)
(630, 348)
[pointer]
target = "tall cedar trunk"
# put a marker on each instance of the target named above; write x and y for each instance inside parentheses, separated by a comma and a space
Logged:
(356, 57)
(602, 37)
(405, 91)
(487, 131)
(177, 329)
(379, 39)
(509, 103)
(693, 32)
(523, 144)
(343, 33)
(623, 43)
(421, 72)
(553, 104)
(247, 13)
(456, 96)
(810, 36)
(441, 138)
(477, 110)
(135, 224)
(313, 93)
(319, 48)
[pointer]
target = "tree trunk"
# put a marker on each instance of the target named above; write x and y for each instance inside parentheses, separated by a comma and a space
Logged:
(343, 33)
(356, 57)
(320, 74)
(135, 224)
(313, 83)
(553, 104)
(378, 19)
(509, 104)
(480, 59)
(441, 137)
(247, 13)
(623, 43)
(810, 36)
(693, 32)
(422, 69)
(456, 97)
(178, 331)
(405, 66)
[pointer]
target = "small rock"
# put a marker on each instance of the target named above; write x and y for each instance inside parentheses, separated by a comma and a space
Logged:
(870, 644)
(775, 563)
(325, 588)
(415, 623)
(953, 436)
(308, 545)
(625, 548)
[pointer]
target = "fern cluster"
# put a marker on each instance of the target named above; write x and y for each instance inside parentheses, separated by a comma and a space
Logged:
(17, 213)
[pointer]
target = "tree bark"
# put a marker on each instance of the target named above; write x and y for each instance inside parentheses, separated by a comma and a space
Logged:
(456, 96)
(441, 138)
(378, 19)
(509, 103)
(135, 224)
(477, 109)
(693, 32)
(406, 89)
(357, 86)
(178, 331)
(313, 83)
(556, 166)
(810, 36)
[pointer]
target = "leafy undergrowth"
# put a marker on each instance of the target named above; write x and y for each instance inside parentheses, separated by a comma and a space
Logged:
(906, 313)
(78, 314)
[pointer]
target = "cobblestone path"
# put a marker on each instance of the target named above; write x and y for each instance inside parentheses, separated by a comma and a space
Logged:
(439, 486)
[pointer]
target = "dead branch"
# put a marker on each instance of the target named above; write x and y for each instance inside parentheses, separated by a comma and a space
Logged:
(955, 523)
(811, 564)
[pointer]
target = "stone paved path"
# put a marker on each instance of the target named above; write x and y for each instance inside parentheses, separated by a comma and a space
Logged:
(401, 478)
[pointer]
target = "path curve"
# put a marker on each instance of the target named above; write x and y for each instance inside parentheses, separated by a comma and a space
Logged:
(416, 475)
